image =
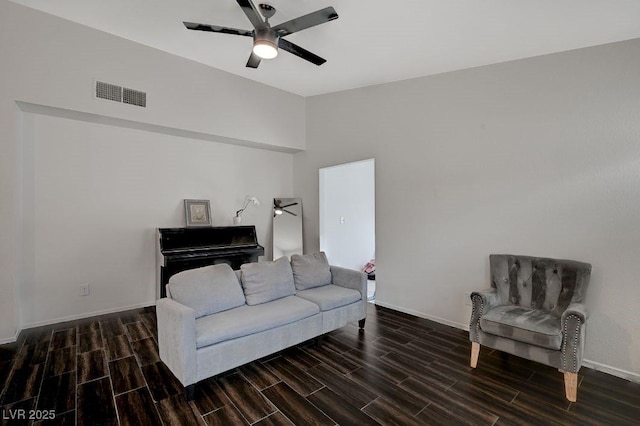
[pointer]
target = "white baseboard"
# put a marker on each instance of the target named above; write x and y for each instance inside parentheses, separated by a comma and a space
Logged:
(617, 372)
(10, 339)
(86, 315)
(423, 315)
(623, 374)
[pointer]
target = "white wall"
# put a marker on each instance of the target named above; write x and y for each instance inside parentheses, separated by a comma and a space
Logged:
(538, 156)
(94, 196)
(49, 65)
(347, 213)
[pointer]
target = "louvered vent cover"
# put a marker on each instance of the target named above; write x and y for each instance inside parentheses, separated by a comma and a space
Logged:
(134, 97)
(117, 93)
(108, 91)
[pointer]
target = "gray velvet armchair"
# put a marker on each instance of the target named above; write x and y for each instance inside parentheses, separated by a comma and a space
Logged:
(534, 309)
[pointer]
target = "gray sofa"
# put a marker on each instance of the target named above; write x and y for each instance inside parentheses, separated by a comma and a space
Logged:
(215, 319)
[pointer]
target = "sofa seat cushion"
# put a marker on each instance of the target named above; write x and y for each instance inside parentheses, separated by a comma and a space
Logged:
(330, 296)
(310, 270)
(533, 326)
(246, 319)
(207, 290)
(266, 281)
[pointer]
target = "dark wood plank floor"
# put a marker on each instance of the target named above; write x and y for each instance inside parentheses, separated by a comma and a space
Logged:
(402, 370)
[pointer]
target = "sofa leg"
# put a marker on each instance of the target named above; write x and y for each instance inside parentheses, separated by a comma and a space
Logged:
(361, 323)
(317, 341)
(571, 386)
(190, 392)
(475, 353)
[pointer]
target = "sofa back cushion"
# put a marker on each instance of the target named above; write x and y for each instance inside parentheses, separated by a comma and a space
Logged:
(310, 270)
(207, 290)
(266, 281)
(538, 282)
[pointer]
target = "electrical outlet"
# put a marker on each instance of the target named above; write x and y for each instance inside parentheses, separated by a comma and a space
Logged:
(467, 298)
(84, 290)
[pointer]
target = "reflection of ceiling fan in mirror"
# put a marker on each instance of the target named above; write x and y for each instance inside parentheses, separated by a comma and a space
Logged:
(278, 208)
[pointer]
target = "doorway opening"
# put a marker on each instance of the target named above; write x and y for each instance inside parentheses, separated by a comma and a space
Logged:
(347, 217)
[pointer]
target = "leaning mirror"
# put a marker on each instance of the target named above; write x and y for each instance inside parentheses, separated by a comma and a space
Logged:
(287, 227)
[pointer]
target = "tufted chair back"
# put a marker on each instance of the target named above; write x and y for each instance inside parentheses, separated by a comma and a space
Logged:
(539, 283)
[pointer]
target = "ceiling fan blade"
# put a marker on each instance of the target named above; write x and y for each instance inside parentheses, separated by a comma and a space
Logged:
(289, 205)
(252, 13)
(254, 61)
(303, 22)
(217, 29)
(287, 211)
(299, 51)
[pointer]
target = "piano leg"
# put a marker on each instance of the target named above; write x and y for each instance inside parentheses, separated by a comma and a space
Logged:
(190, 392)
(361, 323)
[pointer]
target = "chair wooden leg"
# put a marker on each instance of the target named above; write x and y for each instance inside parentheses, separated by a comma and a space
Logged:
(571, 386)
(475, 353)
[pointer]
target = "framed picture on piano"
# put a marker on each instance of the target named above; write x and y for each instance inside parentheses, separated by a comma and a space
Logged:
(197, 213)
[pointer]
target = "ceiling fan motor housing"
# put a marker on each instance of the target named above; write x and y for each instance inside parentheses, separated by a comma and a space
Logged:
(262, 38)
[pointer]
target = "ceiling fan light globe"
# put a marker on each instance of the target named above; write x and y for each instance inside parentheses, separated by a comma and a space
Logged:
(265, 49)
(278, 211)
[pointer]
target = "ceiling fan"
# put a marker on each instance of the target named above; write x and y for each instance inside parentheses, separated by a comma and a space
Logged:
(278, 208)
(267, 39)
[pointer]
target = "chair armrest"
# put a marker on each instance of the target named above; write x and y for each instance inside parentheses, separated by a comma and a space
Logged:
(177, 339)
(481, 302)
(573, 326)
(577, 309)
(486, 299)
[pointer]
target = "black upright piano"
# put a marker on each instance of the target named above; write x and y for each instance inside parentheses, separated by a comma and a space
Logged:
(180, 249)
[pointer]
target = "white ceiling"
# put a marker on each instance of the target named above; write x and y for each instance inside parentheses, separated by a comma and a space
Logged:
(372, 42)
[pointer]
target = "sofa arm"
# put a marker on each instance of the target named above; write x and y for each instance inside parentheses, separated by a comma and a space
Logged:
(481, 302)
(177, 339)
(573, 324)
(350, 278)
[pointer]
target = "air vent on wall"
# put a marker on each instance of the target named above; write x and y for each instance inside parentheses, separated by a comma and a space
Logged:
(134, 97)
(116, 93)
(108, 91)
